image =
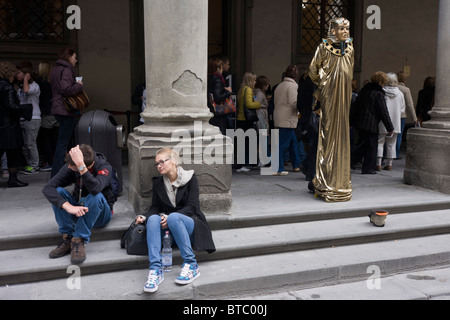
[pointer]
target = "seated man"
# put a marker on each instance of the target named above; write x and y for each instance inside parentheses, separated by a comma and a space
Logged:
(88, 206)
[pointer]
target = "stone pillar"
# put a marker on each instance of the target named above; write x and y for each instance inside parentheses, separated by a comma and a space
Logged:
(177, 115)
(427, 161)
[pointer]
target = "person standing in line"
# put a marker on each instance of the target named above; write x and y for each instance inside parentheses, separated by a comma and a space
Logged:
(367, 112)
(29, 93)
(245, 97)
(395, 102)
(426, 100)
(332, 71)
(305, 101)
(63, 82)
(218, 91)
(175, 207)
(261, 87)
(285, 119)
(11, 137)
(410, 110)
(48, 132)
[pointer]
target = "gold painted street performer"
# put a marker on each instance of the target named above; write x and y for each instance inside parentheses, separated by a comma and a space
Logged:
(332, 71)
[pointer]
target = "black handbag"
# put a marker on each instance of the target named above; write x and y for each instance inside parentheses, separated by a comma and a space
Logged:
(134, 240)
(250, 114)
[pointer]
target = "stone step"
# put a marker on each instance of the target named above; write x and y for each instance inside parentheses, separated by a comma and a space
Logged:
(248, 276)
(43, 232)
(33, 264)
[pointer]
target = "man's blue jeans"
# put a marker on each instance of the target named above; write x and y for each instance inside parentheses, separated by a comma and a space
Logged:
(98, 216)
(288, 142)
(181, 228)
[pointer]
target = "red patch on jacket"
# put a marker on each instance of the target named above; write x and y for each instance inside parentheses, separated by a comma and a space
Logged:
(104, 172)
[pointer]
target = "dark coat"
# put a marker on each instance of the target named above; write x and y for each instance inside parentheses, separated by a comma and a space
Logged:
(369, 109)
(217, 88)
(63, 83)
(45, 98)
(96, 180)
(11, 136)
(425, 103)
(188, 204)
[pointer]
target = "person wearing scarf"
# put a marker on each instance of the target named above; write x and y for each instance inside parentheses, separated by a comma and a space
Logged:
(175, 207)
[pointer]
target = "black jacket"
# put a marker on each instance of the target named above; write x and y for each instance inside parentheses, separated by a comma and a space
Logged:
(11, 136)
(96, 180)
(425, 103)
(187, 203)
(217, 89)
(369, 109)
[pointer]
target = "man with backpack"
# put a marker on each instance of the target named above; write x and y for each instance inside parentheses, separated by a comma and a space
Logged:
(89, 205)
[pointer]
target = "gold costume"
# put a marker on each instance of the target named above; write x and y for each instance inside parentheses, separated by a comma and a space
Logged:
(332, 71)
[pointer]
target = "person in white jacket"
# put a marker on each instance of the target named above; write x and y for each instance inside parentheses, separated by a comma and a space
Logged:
(285, 118)
(395, 101)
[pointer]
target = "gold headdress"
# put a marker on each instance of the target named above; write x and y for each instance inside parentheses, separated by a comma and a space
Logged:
(334, 25)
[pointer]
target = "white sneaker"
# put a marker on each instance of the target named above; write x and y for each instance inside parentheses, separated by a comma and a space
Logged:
(283, 173)
(188, 273)
(155, 278)
(5, 174)
(243, 169)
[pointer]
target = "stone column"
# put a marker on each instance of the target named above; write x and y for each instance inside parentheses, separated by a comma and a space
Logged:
(427, 162)
(177, 115)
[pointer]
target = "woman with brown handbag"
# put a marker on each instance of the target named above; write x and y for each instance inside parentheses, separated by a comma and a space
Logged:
(63, 83)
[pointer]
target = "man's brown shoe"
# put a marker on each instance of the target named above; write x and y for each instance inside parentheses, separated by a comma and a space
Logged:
(62, 249)
(77, 255)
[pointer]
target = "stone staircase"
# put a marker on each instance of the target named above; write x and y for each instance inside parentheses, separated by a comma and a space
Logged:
(277, 250)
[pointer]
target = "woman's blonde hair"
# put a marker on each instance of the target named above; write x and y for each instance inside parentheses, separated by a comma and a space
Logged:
(248, 80)
(44, 70)
(169, 152)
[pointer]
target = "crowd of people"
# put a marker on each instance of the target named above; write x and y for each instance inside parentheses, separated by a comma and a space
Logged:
(39, 142)
(377, 118)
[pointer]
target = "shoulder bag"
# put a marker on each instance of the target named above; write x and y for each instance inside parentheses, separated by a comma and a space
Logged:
(76, 103)
(250, 114)
(224, 108)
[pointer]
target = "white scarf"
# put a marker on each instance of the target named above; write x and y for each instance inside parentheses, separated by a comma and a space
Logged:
(183, 178)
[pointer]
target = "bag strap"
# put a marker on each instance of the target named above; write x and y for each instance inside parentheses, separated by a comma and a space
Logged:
(245, 94)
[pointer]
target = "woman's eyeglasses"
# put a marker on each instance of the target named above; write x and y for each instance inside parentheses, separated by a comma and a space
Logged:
(160, 163)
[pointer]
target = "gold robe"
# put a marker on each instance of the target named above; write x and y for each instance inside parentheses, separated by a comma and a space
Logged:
(332, 71)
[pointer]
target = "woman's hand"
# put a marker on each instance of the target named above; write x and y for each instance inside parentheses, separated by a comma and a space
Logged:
(139, 220)
(163, 222)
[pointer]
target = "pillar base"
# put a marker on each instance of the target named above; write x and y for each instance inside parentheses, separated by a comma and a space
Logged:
(427, 159)
(198, 145)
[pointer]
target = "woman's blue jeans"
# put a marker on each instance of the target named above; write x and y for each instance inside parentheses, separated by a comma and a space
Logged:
(181, 228)
(98, 216)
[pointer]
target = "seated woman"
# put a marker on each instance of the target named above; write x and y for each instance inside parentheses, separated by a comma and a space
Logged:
(175, 207)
